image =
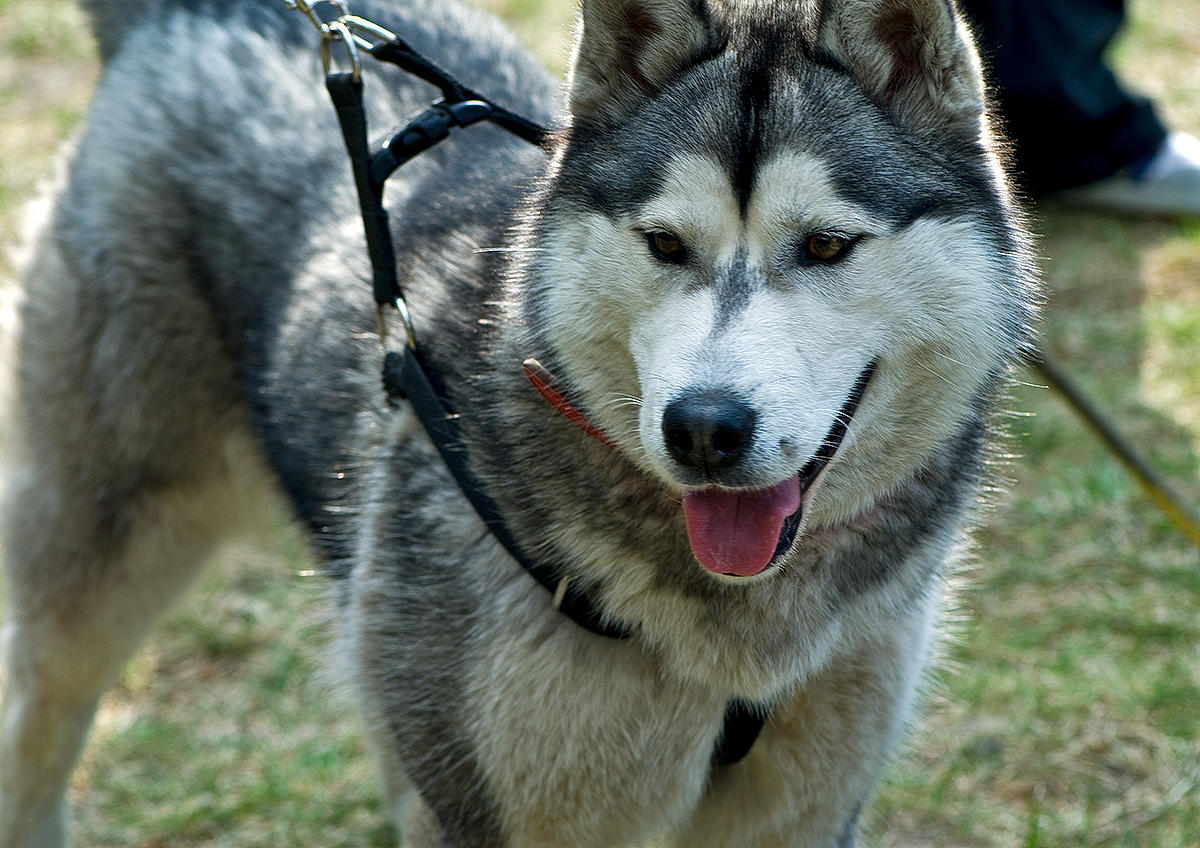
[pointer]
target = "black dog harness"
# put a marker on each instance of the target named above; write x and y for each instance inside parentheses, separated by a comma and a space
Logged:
(406, 375)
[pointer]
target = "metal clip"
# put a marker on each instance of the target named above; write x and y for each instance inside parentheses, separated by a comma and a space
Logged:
(351, 31)
(377, 34)
(406, 322)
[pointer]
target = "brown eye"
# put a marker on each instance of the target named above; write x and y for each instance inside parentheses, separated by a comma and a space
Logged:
(825, 247)
(666, 247)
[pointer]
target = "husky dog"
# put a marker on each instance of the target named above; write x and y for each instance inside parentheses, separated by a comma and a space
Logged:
(771, 260)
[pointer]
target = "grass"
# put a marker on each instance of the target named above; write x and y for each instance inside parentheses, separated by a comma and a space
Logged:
(1065, 712)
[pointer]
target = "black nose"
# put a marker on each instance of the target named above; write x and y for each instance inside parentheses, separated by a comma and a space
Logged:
(709, 429)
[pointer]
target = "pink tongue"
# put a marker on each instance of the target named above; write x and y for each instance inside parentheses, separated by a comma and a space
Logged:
(733, 532)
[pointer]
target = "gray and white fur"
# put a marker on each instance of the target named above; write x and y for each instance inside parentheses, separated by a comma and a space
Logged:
(197, 333)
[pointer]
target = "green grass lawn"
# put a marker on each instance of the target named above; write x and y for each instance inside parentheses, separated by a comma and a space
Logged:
(1064, 712)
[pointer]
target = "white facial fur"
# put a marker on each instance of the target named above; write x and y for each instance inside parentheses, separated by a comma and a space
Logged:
(636, 332)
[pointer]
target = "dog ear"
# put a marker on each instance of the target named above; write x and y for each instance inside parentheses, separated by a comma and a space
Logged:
(628, 49)
(915, 57)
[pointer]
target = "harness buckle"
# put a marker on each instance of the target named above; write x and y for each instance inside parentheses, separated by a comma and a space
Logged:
(424, 131)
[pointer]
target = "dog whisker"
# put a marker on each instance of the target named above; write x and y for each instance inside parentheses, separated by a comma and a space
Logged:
(502, 249)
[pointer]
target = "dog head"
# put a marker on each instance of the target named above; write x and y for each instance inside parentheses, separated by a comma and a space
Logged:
(779, 265)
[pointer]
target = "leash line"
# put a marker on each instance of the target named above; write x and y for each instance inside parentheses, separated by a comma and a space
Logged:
(1157, 489)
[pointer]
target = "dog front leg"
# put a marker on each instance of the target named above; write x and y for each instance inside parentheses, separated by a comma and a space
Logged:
(41, 735)
(809, 774)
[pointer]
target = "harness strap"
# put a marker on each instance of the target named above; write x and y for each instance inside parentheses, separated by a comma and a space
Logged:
(346, 92)
(739, 731)
(406, 375)
(398, 52)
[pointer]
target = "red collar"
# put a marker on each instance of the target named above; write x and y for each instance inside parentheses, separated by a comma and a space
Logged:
(541, 379)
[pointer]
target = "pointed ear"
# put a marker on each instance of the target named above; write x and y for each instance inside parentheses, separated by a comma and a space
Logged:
(628, 49)
(914, 57)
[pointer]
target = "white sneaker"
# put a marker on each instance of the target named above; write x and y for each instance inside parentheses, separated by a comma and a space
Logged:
(1169, 184)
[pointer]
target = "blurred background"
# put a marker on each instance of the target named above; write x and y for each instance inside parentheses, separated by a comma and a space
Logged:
(1064, 710)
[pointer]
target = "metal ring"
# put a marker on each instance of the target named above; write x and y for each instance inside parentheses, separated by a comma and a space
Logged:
(339, 31)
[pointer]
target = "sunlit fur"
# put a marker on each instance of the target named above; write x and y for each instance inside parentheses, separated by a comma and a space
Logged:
(197, 339)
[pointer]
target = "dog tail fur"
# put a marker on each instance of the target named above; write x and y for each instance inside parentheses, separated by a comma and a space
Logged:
(112, 19)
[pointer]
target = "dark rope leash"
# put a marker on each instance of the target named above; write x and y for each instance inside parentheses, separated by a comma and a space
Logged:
(406, 374)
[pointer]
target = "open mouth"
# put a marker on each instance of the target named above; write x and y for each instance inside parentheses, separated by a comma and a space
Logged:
(740, 533)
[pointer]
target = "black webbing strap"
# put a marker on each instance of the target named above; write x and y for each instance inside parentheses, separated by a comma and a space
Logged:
(346, 93)
(405, 374)
(460, 107)
(399, 53)
(742, 724)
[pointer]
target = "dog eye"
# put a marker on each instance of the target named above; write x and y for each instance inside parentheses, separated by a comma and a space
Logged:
(666, 247)
(825, 247)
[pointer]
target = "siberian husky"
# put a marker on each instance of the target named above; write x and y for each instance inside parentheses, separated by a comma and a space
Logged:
(770, 268)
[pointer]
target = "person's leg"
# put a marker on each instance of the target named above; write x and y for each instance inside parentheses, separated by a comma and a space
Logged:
(1070, 120)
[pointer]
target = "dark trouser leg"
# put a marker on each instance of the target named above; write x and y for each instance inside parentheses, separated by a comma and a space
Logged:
(1070, 120)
